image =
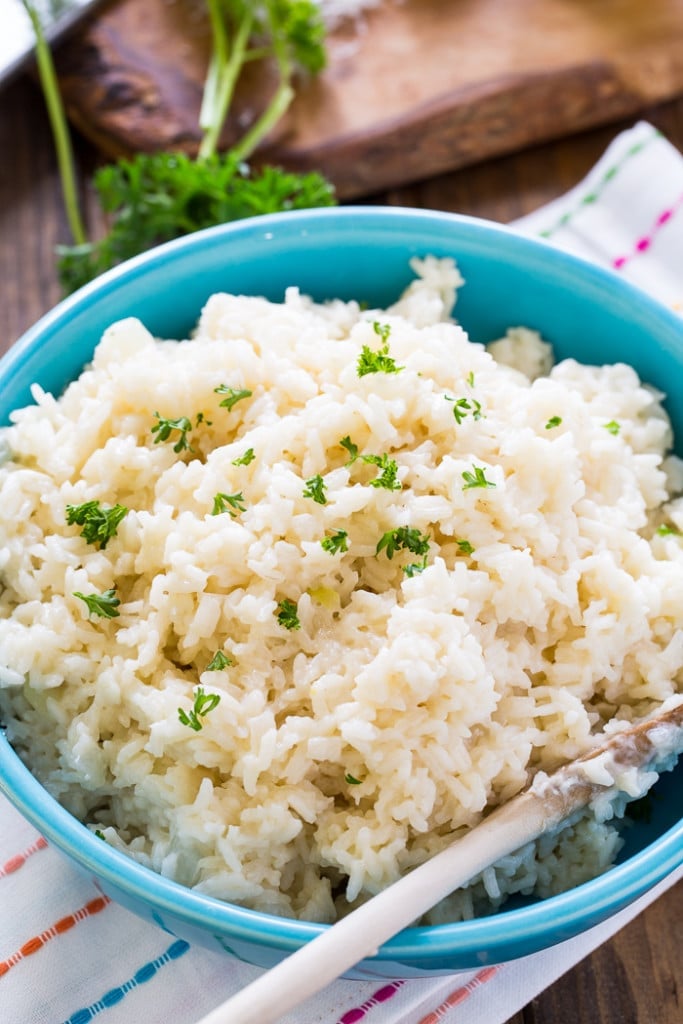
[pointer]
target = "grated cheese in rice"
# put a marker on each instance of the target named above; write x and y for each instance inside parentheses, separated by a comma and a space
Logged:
(414, 692)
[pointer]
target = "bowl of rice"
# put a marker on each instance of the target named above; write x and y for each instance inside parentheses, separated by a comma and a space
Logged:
(323, 535)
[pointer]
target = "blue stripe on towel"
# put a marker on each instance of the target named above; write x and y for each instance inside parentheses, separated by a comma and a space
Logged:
(115, 995)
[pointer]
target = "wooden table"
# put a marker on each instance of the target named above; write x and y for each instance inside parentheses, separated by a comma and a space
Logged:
(637, 977)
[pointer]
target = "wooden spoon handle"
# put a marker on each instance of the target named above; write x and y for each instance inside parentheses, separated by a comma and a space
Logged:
(541, 808)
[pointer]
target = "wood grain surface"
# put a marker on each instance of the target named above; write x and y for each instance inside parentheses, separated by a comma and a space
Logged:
(636, 977)
(416, 88)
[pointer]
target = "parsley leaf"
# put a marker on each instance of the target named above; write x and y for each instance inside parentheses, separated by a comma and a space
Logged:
(377, 362)
(203, 704)
(165, 427)
(351, 780)
(388, 470)
(476, 479)
(383, 330)
(403, 537)
(351, 448)
(335, 542)
(105, 605)
(235, 395)
(465, 547)
(246, 459)
(315, 488)
(668, 531)
(219, 661)
(463, 406)
(155, 197)
(99, 524)
(231, 503)
(287, 614)
(613, 427)
(554, 421)
(415, 567)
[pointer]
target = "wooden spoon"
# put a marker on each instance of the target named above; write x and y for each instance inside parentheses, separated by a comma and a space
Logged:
(541, 808)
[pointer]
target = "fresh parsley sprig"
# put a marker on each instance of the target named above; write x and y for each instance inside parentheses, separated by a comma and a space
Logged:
(403, 537)
(463, 406)
(476, 479)
(315, 489)
(246, 459)
(235, 395)
(230, 503)
(351, 448)
(165, 427)
(370, 361)
(388, 468)
(105, 605)
(203, 704)
(286, 614)
(99, 524)
(415, 568)
(153, 198)
(335, 542)
(219, 661)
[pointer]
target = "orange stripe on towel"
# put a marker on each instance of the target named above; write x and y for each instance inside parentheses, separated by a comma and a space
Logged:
(459, 996)
(64, 924)
(18, 861)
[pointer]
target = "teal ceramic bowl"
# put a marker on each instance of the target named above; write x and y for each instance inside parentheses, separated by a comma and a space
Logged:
(361, 253)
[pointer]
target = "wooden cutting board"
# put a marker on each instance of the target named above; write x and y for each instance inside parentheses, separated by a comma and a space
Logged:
(412, 89)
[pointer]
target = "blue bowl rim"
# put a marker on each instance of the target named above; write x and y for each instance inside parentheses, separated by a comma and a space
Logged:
(553, 918)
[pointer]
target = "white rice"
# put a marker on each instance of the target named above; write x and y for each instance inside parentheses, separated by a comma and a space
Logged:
(346, 751)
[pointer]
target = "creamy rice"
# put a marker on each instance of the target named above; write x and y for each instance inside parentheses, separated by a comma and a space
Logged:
(540, 602)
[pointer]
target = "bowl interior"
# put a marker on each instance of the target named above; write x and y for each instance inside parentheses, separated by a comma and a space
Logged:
(363, 253)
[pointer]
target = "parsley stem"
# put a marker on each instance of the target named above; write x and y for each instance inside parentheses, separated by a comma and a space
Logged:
(271, 115)
(222, 78)
(58, 124)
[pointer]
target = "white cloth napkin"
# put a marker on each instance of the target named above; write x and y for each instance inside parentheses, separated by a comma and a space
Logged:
(67, 956)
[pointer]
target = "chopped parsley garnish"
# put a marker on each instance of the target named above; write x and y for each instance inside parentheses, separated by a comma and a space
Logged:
(403, 537)
(388, 470)
(383, 330)
(465, 547)
(203, 704)
(415, 568)
(165, 427)
(613, 427)
(105, 605)
(668, 531)
(201, 418)
(99, 524)
(100, 834)
(246, 459)
(351, 448)
(470, 378)
(554, 421)
(315, 488)
(463, 406)
(351, 780)
(336, 542)
(380, 361)
(219, 661)
(235, 395)
(231, 503)
(476, 479)
(287, 614)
